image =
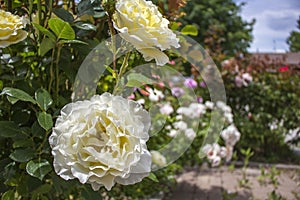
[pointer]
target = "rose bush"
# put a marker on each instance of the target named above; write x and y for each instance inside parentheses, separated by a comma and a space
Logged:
(102, 141)
(11, 29)
(141, 24)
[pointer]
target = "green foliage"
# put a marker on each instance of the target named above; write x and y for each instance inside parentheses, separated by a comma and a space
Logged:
(189, 30)
(62, 30)
(36, 80)
(271, 99)
(220, 27)
(294, 39)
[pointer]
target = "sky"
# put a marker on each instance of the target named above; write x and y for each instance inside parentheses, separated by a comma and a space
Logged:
(275, 19)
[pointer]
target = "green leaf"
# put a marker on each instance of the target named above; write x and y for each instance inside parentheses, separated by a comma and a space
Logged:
(12, 100)
(37, 130)
(43, 189)
(22, 143)
(8, 195)
(72, 42)
(63, 14)
(9, 129)
(22, 154)
(1, 85)
(86, 26)
(62, 30)
(85, 7)
(21, 117)
(137, 80)
(17, 94)
(38, 168)
(45, 31)
(153, 177)
(43, 99)
(46, 45)
(89, 194)
(45, 120)
(189, 30)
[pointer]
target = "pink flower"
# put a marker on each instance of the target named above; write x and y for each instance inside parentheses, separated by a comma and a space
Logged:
(202, 84)
(177, 91)
(238, 81)
(284, 68)
(190, 83)
(199, 99)
(171, 62)
(132, 96)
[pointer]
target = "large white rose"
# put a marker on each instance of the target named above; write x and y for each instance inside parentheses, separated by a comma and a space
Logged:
(102, 141)
(140, 23)
(11, 29)
(231, 135)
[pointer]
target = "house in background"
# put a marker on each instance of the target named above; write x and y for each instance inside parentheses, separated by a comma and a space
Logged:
(276, 61)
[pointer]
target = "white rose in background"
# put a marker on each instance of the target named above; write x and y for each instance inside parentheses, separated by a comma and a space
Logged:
(194, 110)
(158, 158)
(102, 141)
(231, 135)
(214, 153)
(11, 29)
(140, 23)
(166, 109)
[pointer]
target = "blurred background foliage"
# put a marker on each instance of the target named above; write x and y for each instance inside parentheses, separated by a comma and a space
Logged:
(39, 74)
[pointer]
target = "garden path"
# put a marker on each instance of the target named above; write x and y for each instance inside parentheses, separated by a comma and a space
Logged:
(221, 183)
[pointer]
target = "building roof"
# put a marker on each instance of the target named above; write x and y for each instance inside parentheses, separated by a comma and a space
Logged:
(291, 59)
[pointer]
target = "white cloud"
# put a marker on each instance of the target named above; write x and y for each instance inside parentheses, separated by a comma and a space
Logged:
(275, 19)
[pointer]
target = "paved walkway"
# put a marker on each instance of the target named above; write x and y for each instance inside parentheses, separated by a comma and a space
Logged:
(221, 183)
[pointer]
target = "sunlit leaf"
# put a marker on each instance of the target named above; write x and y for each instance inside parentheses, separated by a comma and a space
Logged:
(43, 99)
(45, 120)
(38, 168)
(17, 94)
(190, 30)
(9, 129)
(62, 29)
(46, 45)
(22, 154)
(45, 31)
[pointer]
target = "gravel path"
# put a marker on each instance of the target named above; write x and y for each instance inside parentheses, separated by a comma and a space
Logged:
(221, 183)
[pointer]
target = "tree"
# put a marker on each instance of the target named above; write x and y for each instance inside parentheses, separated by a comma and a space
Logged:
(221, 29)
(294, 39)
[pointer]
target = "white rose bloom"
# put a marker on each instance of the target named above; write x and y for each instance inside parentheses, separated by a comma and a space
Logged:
(141, 101)
(172, 133)
(11, 29)
(247, 77)
(229, 152)
(228, 117)
(180, 125)
(194, 110)
(184, 111)
(158, 158)
(140, 23)
(197, 110)
(206, 148)
(179, 117)
(209, 105)
(239, 82)
(215, 162)
(155, 95)
(225, 108)
(166, 109)
(223, 152)
(168, 127)
(211, 151)
(102, 141)
(231, 135)
(190, 133)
